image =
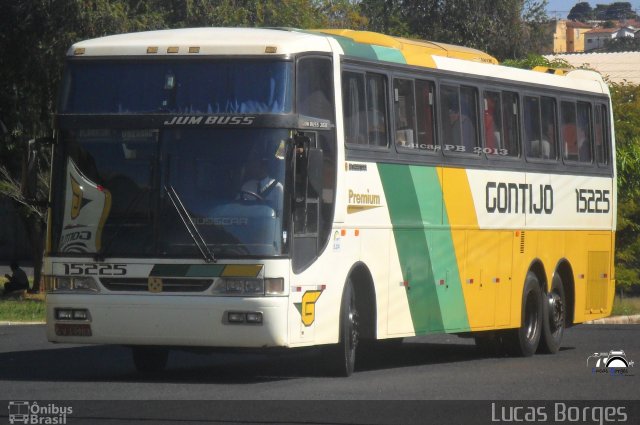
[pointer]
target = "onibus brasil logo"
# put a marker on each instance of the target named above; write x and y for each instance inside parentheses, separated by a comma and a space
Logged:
(26, 412)
(613, 363)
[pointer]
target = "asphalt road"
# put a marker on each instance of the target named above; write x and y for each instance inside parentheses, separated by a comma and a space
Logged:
(425, 368)
(391, 386)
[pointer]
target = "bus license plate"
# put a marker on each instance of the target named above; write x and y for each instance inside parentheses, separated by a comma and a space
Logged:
(68, 329)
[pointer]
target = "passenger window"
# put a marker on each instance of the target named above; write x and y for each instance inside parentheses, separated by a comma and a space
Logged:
(404, 113)
(540, 127)
(601, 135)
(377, 109)
(576, 131)
(501, 123)
(584, 132)
(365, 109)
(425, 96)
(493, 137)
(510, 121)
(354, 107)
(459, 118)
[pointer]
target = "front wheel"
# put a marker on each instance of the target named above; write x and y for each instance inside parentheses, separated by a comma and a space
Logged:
(524, 340)
(553, 318)
(341, 358)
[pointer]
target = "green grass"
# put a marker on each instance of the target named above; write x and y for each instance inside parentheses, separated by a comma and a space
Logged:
(27, 310)
(31, 309)
(626, 306)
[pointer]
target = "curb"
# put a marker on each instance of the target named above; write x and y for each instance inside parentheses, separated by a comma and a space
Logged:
(21, 323)
(616, 320)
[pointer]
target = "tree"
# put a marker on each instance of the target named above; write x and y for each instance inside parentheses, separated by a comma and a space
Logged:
(622, 44)
(503, 28)
(626, 111)
(30, 71)
(619, 11)
(533, 60)
(581, 12)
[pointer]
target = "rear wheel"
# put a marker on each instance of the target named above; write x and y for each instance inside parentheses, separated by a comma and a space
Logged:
(524, 340)
(341, 358)
(553, 317)
(149, 360)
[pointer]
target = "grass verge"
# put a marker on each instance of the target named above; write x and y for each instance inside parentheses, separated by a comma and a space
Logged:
(626, 306)
(31, 309)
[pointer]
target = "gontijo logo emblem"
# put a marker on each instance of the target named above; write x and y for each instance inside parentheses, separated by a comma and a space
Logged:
(307, 306)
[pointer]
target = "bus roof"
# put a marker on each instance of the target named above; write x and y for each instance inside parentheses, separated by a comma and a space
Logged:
(398, 49)
(202, 41)
(360, 44)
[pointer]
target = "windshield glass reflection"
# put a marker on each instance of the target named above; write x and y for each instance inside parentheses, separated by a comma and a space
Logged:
(230, 182)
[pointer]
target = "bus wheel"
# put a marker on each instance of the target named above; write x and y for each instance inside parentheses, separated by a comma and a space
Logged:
(524, 340)
(149, 360)
(341, 357)
(553, 318)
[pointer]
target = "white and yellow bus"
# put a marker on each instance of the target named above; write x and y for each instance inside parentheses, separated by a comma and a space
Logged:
(222, 187)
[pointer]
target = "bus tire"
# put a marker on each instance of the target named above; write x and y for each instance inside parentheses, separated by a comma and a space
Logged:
(524, 340)
(553, 317)
(341, 357)
(149, 360)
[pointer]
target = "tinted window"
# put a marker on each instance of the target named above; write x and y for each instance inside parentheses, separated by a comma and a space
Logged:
(601, 135)
(540, 127)
(510, 114)
(425, 113)
(377, 109)
(405, 113)
(354, 107)
(576, 131)
(459, 118)
(238, 86)
(364, 98)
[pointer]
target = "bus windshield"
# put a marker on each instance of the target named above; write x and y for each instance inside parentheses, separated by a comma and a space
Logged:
(124, 192)
(146, 87)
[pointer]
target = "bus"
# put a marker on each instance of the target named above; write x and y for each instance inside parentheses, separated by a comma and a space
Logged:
(263, 188)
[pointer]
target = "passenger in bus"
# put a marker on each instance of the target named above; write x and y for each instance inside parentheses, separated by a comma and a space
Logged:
(491, 124)
(584, 149)
(462, 130)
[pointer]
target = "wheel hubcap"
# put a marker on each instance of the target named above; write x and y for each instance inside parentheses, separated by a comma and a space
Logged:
(353, 328)
(531, 318)
(556, 311)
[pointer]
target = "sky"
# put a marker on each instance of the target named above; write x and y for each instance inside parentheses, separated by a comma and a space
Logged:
(560, 8)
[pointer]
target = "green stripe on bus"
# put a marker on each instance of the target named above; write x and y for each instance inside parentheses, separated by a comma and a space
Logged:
(352, 48)
(412, 246)
(442, 252)
(388, 54)
(425, 247)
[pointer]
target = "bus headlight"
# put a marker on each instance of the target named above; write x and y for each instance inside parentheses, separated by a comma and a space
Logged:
(87, 284)
(239, 287)
(249, 287)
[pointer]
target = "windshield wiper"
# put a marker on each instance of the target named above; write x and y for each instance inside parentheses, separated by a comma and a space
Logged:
(189, 224)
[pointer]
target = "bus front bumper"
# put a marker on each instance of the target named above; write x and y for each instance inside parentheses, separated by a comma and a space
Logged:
(167, 320)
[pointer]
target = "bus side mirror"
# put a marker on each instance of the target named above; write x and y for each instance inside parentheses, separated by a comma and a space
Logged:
(30, 169)
(314, 169)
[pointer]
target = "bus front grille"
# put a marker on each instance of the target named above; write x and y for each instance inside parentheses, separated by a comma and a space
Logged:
(168, 285)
